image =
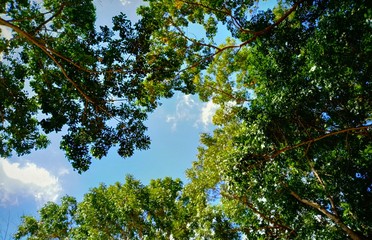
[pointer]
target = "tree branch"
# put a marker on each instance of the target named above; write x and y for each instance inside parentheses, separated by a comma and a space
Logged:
(49, 19)
(334, 218)
(223, 92)
(226, 12)
(265, 30)
(49, 53)
(268, 157)
(252, 39)
(320, 180)
(275, 223)
(35, 42)
(278, 152)
(190, 39)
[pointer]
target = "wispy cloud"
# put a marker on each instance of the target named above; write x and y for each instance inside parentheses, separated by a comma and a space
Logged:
(6, 33)
(125, 2)
(191, 110)
(185, 110)
(207, 113)
(27, 180)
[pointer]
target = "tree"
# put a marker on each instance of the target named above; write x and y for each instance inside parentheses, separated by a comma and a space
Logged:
(123, 211)
(292, 155)
(59, 74)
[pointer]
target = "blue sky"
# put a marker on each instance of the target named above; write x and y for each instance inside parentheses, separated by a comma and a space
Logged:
(28, 182)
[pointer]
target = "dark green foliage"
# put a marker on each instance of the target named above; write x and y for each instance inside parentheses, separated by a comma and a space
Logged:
(59, 74)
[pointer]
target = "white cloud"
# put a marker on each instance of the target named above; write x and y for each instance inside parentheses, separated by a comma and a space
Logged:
(188, 100)
(63, 171)
(125, 2)
(28, 180)
(185, 111)
(189, 109)
(207, 113)
(6, 32)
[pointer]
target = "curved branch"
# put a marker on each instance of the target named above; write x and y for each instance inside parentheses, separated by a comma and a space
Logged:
(191, 39)
(267, 29)
(353, 129)
(50, 18)
(264, 158)
(321, 182)
(32, 39)
(47, 51)
(230, 95)
(252, 39)
(35, 42)
(354, 235)
(275, 222)
(226, 12)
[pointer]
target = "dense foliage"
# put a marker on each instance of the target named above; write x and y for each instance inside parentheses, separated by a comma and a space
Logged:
(291, 155)
(59, 74)
(126, 211)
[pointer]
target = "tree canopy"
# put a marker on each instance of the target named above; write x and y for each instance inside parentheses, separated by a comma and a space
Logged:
(126, 211)
(291, 154)
(59, 73)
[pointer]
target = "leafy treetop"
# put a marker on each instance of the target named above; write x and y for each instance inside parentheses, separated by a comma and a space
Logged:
(58, 73)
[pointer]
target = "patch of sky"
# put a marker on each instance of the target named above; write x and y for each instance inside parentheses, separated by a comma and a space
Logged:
(325, 116)
(214, 195)
(360, 175)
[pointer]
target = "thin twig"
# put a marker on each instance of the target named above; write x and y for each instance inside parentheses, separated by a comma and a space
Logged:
(269, 157)
(50, 18)
(252, 39)
(245, 201)
(320, 180)
(278, 152)
(226, 12)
